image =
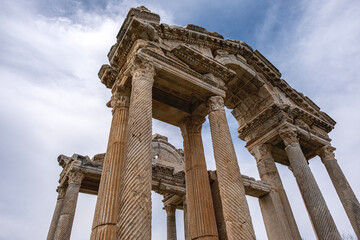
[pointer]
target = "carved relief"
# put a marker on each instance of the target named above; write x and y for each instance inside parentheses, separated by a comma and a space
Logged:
(261, 151)
(142, 69)
(289, 135)
(76, 177)
(326, 153)
(215, 103)
(192, 124)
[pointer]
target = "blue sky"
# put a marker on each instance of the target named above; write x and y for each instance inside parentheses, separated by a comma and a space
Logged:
(52, 102)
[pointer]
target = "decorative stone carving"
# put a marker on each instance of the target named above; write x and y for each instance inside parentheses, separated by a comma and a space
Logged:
(289, 136)
(142, 69)
(326, 153)
(215, 103)
(76, 177)
(61, 192)
(192, 124)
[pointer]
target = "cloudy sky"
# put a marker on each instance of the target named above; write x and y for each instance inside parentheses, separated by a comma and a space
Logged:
(52, 102)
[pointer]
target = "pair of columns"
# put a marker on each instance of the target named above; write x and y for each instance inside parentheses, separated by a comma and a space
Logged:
(123, 209)
(200, 207)
(276, 204)
(63, 217)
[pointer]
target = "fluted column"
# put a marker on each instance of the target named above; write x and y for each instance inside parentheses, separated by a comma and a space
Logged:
(63, 230)
(108, 200)
(234, 204)
(186, 226)
(275, 207)
(55, 219)
(342, 186)
(200, 209)
(135, 208)
(320, 216)
(170, 222)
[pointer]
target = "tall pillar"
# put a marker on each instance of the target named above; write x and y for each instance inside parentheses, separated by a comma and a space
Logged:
(276, 203)
(200, 209)
(135, 208)
(63, 230)
(320, 216)
(234, 204)
(55, 219)
(186, 226)
(108, 200)
(170, 222)
(342, 186)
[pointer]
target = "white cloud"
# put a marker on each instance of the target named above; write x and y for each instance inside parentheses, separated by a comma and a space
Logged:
(52, 102)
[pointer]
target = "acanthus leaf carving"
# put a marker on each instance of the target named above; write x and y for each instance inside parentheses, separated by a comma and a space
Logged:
(326, 153)
(289, 135)
(215, 103)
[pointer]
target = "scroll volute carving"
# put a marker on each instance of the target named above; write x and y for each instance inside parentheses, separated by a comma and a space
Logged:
(192, 124)
(215, 103)
(261, 151)
(326, 153)
(289, 135)
(142, 68)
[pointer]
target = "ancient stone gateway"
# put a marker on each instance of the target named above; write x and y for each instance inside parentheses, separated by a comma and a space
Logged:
(180, 75)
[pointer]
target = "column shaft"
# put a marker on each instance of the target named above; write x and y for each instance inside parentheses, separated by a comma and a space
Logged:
(57, 212)
(108, 201)
(234, 204)
(277, 200)
(135, 209)
(201, 216)
(186, 226)
(63, 230)
(170, 222)
(342, 187)
(320, 216)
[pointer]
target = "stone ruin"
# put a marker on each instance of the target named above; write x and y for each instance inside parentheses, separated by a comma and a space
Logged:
(180, 75)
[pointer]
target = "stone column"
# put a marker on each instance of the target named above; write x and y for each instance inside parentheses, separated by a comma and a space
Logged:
(63, 230)
(55, 219)
(170, 222)
(108, 200)
(234, 204)
(275, 207)
(342, 186)
(186, 226)
(320, 216)
(201, 215)
(135, 208)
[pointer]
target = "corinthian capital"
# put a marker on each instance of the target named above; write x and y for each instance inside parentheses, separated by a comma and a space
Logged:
(142, 68)
(215, 103)
(76, 177)
(261, 151)
(289, 135)
(61, 192)
(192, 124)
(120, 98)
(326, 153)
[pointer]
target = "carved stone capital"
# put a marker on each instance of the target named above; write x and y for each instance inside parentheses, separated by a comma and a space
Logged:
(326, 153)
(215, 103)
(76, 177)
(142, 69)
(289, 136)
(192, 124)
(261, 151)
(61, 192)
(170, 210)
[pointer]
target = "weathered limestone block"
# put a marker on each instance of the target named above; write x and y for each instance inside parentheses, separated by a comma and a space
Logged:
(320, 216)
(200, 209)
(276, 203)
(108, 201)
(234, 205)
(170, 222)
(342, 187)
(135, 207)
(63, 230)
(55, 219)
